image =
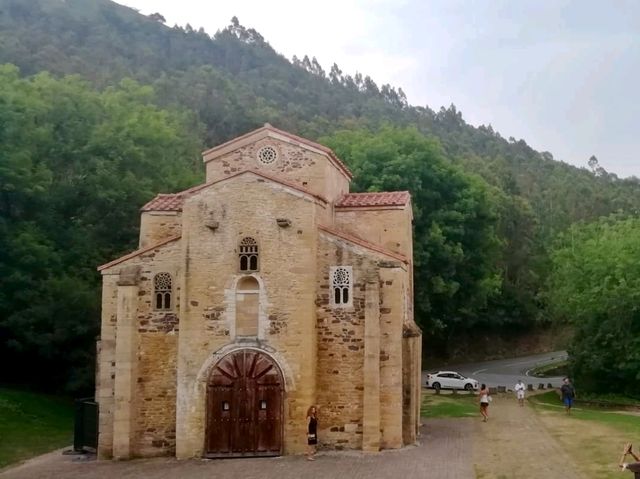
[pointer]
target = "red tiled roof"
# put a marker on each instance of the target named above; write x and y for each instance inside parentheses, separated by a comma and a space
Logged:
(165, 202)
(174, 201)
(384, 198)
(363, 243)
(291, 136)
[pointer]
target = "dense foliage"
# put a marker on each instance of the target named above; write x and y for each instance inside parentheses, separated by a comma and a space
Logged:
(79, 156)
(595, 284)
(455, 242)
(75, 166)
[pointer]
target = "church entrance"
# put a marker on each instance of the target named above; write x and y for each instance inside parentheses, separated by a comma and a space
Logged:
(245, 395)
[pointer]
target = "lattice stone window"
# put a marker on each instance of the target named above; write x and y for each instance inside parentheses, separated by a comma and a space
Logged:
(248, 254)
(162, 291)
(341, 285)
(267, 155)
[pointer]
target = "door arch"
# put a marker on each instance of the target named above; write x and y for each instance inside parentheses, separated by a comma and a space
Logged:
(245, 397)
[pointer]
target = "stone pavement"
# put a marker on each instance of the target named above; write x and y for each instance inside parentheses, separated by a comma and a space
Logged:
(444, 452)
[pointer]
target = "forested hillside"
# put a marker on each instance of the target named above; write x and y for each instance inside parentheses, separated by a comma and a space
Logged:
(79, 155)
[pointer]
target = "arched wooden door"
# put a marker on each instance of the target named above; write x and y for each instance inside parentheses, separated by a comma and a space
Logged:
(244, 406)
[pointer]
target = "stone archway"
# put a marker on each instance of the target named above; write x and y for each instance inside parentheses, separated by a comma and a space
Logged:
(245, 398)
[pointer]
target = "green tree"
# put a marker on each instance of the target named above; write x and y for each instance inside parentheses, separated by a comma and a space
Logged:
(455, 243)
(75, 166)
(595, 285)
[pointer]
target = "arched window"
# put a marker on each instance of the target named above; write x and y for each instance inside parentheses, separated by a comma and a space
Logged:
(162, 291)
(248, 254)
(341, 285)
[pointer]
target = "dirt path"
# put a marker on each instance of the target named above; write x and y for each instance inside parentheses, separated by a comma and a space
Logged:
(515, 443)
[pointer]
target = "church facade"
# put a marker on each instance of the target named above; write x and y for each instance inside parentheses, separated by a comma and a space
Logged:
(263, 291)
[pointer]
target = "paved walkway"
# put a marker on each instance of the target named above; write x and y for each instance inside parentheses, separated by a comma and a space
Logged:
(444, 453)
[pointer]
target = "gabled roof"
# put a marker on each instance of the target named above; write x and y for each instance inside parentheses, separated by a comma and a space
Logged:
(365, 244)
(268, 130)
(174, 201)
(137, 253)
(165, 202)
(384, 198)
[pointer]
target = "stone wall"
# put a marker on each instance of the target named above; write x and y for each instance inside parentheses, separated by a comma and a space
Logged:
(388, 227)
(149, 364)
(247, 206)
(308, 169)
(340, 336)
(106, 365)
(392, 312)
(157, 226)
(156, 394)
(411, 384)
(344, 372)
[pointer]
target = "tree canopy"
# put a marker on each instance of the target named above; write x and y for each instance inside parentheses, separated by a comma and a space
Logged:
(75, 167)
(595, 285)
(455, 242)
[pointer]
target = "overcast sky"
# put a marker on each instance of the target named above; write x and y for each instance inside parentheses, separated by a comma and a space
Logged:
(563, 75)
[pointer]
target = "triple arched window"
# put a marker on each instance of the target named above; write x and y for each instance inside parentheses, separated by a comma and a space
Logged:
(162, 287)
(341, 285)
(248, 255)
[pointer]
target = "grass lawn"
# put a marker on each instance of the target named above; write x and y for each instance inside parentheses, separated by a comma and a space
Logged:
(610, 399)
(32, 424)
(593, 437)
(449, 405)
(626, 423)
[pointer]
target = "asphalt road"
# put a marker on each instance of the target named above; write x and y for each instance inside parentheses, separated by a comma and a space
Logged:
(506, 372)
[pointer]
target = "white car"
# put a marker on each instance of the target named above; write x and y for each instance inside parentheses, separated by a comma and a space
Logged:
(450, 380)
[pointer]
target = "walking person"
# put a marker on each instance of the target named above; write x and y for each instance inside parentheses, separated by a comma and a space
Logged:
(519, 389)
(312, 432)
(632, 467)
(484, 402)
(568, 394)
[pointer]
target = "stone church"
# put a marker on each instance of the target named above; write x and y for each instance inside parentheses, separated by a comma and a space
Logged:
(265, 290)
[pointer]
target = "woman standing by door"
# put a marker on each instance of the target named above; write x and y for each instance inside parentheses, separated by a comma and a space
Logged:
(312, 432)
(484, 402)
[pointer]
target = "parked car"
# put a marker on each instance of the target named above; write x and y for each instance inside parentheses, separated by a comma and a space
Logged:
(450, 380)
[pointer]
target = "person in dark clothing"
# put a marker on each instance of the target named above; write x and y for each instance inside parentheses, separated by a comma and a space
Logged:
(568, 394)
(632, 467)
(312, 432)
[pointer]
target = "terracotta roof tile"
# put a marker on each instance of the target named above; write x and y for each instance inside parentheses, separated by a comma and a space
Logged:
(384, 198)
(165, 202)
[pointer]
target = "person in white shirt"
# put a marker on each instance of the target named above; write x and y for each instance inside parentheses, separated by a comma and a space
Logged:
(519, 389)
